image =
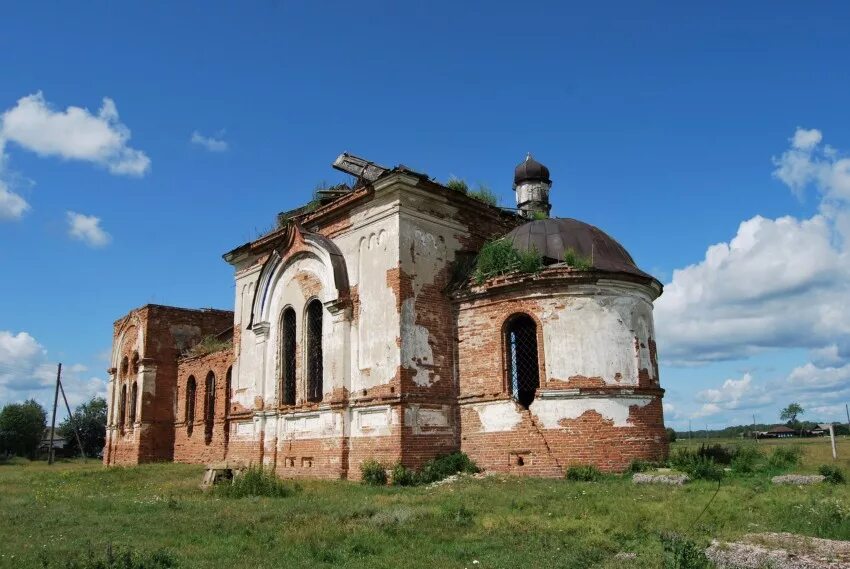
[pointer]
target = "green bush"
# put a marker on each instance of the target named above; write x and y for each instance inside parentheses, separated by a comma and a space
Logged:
(403, 476)
(638, 465)
(256, 481)
(683, 553)
(112, 559)
(573, 259)
(832, 473)
(746, 459)
(720, 454)
(484, 194)
(583, 473)
(457, 185)
(373, 472)
(784, 457)
(697, 466)
(499, 257)
(445, 466)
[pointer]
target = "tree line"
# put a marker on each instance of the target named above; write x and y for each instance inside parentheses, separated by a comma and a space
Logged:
(23, 426)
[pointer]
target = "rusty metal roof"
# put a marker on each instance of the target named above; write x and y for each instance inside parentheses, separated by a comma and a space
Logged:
(553, 237)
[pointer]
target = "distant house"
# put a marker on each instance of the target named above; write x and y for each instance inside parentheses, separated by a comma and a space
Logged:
(779, 432)
(60, 444)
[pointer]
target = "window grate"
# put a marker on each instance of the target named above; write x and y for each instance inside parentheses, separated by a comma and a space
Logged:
(209, 407)
(314, 351)
(288, 352)
(191, 388)
(523, 366)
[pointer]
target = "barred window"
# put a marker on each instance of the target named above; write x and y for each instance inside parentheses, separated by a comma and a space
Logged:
(315, 313)
(288, 357)
(122, 406)
(191, 388)
(228, 386)
(521, 354)
(134, 397)
(209, 407)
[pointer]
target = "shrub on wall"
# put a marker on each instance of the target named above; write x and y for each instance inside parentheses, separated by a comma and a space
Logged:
(499, 257)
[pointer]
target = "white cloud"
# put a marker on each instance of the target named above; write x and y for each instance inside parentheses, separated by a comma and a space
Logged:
(211, 143)
(778, 283)
(732, 395)
(12, 206)
(87, 229)
(73, 134)
(810, 376)
(25, 373)
(807, 163)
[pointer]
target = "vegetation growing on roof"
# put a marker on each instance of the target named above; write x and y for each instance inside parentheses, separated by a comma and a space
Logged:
(484, 194)
(209, 345)
(499, 257)
(539, 215)
(576, 261)
(457, 185)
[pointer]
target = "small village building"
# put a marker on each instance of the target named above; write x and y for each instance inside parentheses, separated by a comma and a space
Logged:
(361, 330)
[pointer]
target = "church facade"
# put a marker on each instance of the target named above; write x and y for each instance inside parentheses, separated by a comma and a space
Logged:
(361, 330)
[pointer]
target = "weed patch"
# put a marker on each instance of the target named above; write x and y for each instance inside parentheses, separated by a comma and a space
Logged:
(499, 258)
(256, 482)
(373, 472)
(583, 473)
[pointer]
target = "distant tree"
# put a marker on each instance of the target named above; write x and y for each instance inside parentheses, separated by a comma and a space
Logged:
(21, 428)
(671, 435)
(791, 413)
(90, 420)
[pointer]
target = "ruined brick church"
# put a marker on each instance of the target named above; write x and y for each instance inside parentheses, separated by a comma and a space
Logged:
(361, 330)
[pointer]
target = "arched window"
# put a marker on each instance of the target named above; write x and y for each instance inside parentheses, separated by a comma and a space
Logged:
(315, 313)
(122, 406)
(521, 355)
(125, 366)
(191, 388)
(287, 355)
(228, 386)
(134, 397)
(135, 362)
(209, 407)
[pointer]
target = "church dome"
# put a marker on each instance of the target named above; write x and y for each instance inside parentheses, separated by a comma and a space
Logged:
(530, 170)
(553, 237)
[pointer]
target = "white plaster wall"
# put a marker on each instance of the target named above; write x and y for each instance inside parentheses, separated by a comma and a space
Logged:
(549, 411)
(245, 368)
(427, 245)
(590, 331)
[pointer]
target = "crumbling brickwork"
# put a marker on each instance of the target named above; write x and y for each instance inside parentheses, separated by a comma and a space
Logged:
(408, 357)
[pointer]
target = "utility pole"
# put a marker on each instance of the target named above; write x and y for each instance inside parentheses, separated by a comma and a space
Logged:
(53, 420)
(755, 433)
(847, 410)
(71, 421)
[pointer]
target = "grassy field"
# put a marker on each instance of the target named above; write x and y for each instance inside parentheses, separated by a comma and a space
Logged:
(50, 514)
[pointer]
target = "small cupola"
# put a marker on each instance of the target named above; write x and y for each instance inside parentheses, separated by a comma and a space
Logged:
(532, 184)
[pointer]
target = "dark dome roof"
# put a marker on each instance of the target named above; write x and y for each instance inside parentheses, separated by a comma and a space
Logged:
(530, 170)
(552, 237)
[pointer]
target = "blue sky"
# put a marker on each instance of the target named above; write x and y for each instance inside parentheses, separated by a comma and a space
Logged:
(666, 124)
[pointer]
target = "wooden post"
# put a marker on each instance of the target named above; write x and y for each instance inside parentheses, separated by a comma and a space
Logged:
(832, 437)
(53, 420)
(71, 421)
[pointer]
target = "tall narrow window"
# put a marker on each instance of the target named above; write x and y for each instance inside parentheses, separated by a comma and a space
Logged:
(125, 367)
(521, 354)
(134, 397)
(228, 386)
(314, 350)
(288, 357)
(135, 362)
(122, 406)
(209, 407)
(191, 388)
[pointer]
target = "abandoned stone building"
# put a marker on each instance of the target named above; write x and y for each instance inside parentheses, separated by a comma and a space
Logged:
(363, 327)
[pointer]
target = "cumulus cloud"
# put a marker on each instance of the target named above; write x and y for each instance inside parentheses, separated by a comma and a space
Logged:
(211, 143)
(807, 162)
(25, 373)
(778, 283)
(87, 229)
(12, 206)
(732, 395)
(73, 134)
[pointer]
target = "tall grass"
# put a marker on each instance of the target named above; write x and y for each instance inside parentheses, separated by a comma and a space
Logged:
(499, 257)
(256, 481)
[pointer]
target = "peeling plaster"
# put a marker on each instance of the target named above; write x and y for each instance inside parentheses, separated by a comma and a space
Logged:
(550, 412)
(499, 416)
